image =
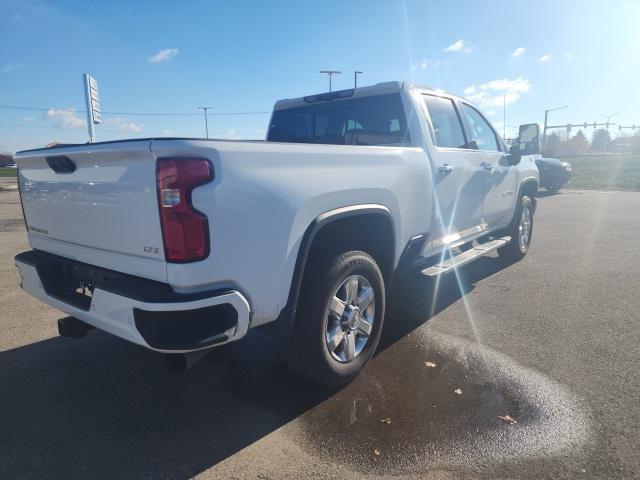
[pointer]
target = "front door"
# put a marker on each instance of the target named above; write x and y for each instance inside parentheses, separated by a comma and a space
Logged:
(458, 178)
(500, 178)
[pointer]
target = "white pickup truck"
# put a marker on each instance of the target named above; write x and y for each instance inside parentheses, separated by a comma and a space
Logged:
(180, 245)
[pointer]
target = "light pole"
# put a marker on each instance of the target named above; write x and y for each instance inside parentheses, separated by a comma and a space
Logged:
(608, 117)
(504, 116)
(546, 116)
(355, 78)
(206, 120)
(331, 73)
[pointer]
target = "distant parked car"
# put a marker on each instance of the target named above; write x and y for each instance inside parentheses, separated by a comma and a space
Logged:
(553, 173)
(5, 160)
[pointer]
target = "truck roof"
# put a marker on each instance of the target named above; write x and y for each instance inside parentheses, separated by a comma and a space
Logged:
(377, 89)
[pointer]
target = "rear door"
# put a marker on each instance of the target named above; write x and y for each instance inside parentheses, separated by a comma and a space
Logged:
(500, 178)
(458, 174)
(96, 204)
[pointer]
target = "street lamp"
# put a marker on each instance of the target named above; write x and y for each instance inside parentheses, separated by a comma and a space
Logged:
(331, 73)
(504, 116)
(355, 78)
(206, 120)
(546, 115)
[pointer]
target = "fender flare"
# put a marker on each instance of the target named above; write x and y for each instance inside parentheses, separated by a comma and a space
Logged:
(524, 183)
(534, 199)
(286, 319)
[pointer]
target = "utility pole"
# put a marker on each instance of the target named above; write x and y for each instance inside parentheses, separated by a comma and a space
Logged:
(608, 117)
(206, 120)
(331, 73)
(355, 78)
(546, 116)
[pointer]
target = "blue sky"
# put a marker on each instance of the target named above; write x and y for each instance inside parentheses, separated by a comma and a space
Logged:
(242, 56)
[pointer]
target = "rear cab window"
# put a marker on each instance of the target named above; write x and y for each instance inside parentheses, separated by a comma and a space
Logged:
(374, 120)
(446, 122)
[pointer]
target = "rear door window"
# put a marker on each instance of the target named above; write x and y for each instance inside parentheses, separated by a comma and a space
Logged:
(481, 131)
(445, 121)
(374, 120)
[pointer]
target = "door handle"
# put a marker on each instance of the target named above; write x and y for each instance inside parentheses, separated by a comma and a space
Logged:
(446, 168)
(488, 166)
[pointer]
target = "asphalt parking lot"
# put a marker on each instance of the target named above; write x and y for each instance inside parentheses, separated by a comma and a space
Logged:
(553, 342)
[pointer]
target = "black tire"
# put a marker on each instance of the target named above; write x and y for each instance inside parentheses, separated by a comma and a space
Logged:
(515, 250)
(553, 189)
(306, 350)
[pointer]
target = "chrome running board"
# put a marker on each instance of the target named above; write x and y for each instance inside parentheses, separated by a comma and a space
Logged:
(463, 258)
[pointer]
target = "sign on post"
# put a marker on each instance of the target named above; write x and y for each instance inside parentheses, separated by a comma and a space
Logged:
(93, 105)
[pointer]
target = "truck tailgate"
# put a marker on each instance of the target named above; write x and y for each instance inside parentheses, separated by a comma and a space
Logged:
(96, 204)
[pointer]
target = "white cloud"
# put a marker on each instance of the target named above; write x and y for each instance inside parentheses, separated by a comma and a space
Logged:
(470, 90)
(545, 58)
(459, 46)
(518, 52)
(11, 68)
(490, 113)
(425, 64)
(123, 125)
(569, 56)
(65, 118)
(163, 55)
(495, 92)
(516, 85)
(8, 147)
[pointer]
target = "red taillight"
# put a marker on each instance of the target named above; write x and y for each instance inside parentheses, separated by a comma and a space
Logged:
(185, 230)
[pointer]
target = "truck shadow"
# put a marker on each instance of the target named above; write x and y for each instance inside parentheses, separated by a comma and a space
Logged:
(415, 299)
(103, 408)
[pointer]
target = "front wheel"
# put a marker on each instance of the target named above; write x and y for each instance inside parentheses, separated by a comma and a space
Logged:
(520, 232)
(339, 320)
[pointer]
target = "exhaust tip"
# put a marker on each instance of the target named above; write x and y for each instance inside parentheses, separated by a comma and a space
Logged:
(71, 327)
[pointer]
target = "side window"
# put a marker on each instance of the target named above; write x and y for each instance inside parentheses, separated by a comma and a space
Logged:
(446, 122)
(481, 131)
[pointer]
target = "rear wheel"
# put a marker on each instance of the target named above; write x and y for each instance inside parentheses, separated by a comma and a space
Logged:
(520, 232)
(339, 320)
(553, 188)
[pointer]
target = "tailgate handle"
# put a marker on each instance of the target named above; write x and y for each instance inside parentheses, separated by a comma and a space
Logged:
(61, 164)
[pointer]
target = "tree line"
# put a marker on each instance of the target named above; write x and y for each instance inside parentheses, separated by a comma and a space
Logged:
(601, 141)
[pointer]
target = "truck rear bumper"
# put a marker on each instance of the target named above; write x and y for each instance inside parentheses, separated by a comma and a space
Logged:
(141, 311)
